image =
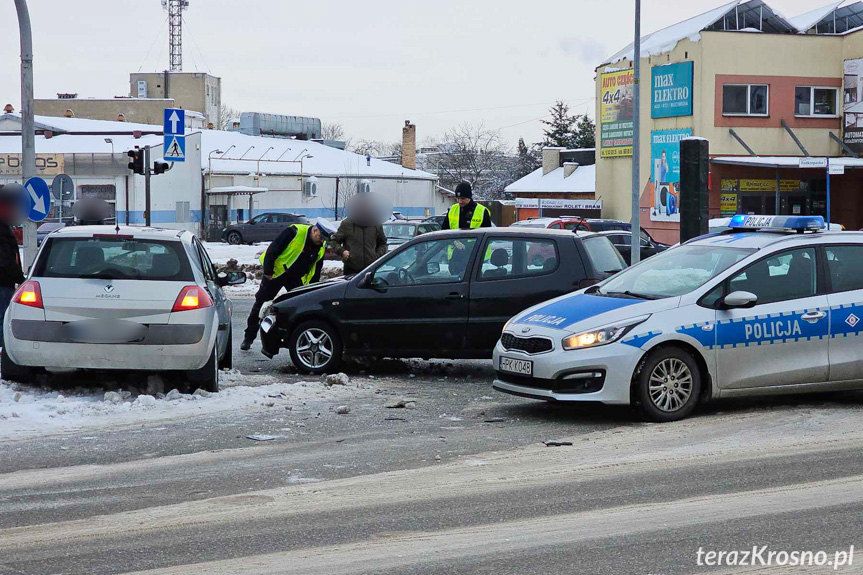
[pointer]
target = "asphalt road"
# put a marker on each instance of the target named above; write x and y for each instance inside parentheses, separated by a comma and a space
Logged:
(460, 483)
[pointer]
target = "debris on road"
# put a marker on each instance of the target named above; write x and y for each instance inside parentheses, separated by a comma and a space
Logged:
(258, 437)
(494, 420)
(145, 401)
(557, 443)
(343, 410)
(394, 418)
(401, 403)
(337, 379)
(173, 394)
(201, 393)
(113, 397)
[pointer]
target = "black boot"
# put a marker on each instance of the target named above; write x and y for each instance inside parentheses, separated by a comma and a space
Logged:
(247, 344)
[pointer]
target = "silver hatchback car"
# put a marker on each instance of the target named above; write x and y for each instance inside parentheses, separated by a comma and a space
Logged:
(131, 299)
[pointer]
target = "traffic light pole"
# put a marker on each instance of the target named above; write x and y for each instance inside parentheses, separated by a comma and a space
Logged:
(28, 134)
(147, 171)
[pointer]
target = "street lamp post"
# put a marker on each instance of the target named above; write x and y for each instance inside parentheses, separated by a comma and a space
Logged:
(28, 134)
(635, 240)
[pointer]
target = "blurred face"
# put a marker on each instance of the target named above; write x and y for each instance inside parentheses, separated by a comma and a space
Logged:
(317, 236)
(463, 201)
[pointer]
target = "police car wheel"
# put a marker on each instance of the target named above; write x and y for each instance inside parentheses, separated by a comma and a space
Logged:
(668, 385)
(234, 238)
(316, 348)
(11, 371)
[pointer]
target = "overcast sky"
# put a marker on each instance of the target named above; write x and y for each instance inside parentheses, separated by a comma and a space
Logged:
(367, 65)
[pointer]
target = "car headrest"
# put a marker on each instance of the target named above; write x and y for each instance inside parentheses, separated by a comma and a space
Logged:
(499, 257)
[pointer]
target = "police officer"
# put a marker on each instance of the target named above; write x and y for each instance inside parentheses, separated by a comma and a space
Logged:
(466, 214)
(294, 258)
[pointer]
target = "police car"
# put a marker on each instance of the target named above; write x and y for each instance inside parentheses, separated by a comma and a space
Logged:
(772, 305)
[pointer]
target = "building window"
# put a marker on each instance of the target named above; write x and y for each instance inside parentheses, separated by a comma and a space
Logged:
(744, 100)
(814, 101)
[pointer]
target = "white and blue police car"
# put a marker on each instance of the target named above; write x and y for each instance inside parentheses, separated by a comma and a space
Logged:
(772, 305)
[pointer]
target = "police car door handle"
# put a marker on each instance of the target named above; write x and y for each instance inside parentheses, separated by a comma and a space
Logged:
(813, 316)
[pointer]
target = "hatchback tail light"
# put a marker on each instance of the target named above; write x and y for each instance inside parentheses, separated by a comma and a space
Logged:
(29, 294)
(192, 297)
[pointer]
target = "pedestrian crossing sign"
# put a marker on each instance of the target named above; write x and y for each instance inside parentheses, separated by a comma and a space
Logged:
(175, 148)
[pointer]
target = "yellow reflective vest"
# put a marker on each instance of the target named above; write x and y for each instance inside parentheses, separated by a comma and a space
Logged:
(287, 258)
(475, 221)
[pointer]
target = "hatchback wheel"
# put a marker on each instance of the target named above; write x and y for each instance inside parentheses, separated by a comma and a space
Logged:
(234, 238)
(316, 348)
(668, 385)
(207, 378)
(11, 371)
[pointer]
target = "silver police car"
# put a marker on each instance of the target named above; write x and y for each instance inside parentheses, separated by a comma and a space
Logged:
(772, 305)
(106, 298)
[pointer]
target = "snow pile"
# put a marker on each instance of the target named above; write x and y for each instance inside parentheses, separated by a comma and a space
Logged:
(27, 411)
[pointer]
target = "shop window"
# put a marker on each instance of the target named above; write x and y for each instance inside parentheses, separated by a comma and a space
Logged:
(745, 99)
(812, 101)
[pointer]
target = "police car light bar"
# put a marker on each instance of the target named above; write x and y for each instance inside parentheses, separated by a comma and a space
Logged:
(796, 223)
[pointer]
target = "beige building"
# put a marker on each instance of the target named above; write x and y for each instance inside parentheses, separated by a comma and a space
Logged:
(147, 111)
(189, 90)
(763, 90)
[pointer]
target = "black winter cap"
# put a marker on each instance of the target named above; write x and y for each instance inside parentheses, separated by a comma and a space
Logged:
(463, 190)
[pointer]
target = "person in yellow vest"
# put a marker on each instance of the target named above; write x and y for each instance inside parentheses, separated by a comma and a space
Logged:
(466, 214)
(293, 259)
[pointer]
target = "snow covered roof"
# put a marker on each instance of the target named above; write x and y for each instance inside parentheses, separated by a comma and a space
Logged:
(582, 180)
(81, 136)
(320, 160)
(77, 125)
(738, 15)
(807, 20)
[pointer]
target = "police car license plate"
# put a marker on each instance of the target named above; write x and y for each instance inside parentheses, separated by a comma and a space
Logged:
(517, 366)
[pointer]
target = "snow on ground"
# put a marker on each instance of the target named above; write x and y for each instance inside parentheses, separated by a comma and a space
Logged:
(26, 411)
(221, 252)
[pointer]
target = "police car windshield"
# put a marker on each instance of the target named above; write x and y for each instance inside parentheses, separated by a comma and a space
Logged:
(673, 273)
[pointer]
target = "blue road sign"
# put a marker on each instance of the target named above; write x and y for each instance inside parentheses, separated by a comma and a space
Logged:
(175, 148)
(175, 122)
(37, 199)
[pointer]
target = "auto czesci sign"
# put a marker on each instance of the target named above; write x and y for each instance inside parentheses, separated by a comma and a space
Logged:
(616, 114)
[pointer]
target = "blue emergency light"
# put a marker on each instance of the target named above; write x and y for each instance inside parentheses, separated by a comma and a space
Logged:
(795, 223)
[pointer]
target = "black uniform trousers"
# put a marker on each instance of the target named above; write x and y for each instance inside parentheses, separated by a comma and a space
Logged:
(269, 290)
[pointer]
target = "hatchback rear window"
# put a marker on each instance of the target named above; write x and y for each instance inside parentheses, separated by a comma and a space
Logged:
(114, 259)
(602, 254)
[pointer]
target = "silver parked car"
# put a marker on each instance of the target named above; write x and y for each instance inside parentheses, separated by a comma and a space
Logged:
(105, 298)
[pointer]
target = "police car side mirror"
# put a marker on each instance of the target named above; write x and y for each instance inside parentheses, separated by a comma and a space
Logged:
(740, 299)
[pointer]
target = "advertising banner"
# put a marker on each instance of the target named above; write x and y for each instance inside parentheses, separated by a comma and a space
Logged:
(46, 164)
(665, 174)
(671, 90)
(735, 185)
(616, 110)
(727, 204)
(852, 98)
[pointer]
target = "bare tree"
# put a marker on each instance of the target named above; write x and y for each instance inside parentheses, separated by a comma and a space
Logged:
(332, 131)
(478, 155)
(365, 147)
(226, 114)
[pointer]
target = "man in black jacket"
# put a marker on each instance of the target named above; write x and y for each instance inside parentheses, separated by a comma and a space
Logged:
(293, 259)
(466, 214)
(10, 260)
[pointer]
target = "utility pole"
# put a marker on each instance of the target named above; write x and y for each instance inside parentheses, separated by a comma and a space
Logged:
(147, 173)
(635, 240)
(175, 10)
(28, 134)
